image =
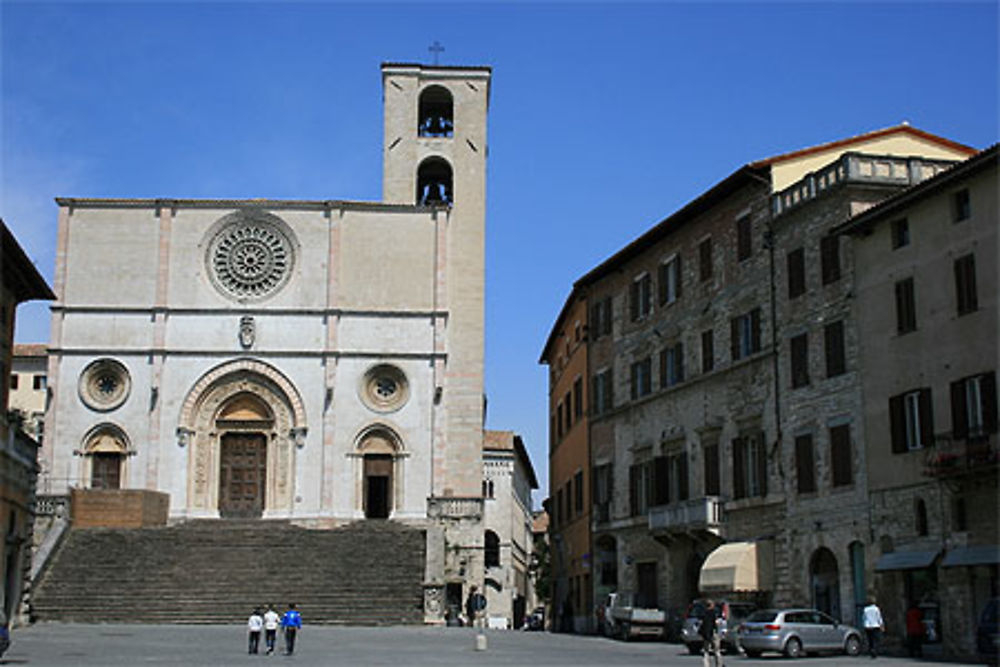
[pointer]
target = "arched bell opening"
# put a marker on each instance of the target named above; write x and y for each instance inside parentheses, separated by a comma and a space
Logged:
(434, 182)
(436, 115)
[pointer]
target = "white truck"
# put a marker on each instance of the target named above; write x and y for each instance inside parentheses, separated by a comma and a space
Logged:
(624, 620)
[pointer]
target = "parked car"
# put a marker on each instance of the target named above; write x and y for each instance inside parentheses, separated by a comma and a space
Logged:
(797, 631)
(733, 613)
(536, 620)
(988, 632)
(624, 620)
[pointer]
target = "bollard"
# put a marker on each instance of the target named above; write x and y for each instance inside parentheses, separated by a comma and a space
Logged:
(480, 641)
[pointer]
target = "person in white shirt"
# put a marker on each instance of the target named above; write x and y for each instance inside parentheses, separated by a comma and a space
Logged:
(874, 626)
(271, 621)
(254, 625)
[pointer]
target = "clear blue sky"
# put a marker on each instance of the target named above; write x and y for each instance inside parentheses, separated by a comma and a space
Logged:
(605, 118)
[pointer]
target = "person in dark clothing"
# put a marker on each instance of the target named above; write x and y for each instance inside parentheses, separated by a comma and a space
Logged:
(475, 605)
(709, 631)
(914, 631)
(292, 623)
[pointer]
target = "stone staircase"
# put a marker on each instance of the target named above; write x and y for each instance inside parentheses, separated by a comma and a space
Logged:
(366, 573)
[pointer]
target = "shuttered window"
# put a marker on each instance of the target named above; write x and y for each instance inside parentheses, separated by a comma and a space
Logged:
(840, 455)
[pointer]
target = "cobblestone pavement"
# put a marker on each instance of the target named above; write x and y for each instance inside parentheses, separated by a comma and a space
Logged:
(55, 645)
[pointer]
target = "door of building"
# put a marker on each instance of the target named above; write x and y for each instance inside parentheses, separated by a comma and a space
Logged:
(378, 486)
(647, 593)
(242, 474)
(105, 470)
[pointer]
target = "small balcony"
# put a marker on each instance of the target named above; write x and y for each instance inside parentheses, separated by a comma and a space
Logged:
(687, 517)
(955, 458)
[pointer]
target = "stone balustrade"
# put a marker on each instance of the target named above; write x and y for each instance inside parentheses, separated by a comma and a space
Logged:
(704, 513)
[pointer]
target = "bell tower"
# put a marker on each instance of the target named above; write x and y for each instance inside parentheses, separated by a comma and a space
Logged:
(434, 156)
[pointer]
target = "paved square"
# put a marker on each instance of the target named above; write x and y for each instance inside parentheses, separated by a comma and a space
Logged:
(49, 644)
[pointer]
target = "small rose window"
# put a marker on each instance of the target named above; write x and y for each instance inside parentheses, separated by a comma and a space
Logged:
(384, 388)
(104, 384)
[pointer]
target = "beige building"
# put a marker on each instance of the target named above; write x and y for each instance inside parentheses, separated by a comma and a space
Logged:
(508, 480)
(925, 264)
(18, 452)
(28, 388)
(319, 361)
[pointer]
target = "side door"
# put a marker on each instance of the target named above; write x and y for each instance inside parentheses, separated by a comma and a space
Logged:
(829, 633)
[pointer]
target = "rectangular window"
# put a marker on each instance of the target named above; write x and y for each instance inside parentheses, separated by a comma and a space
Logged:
(974, 406)
(712, 481)
(796, 273)
(603, 491)
(559, 420)
(833, 343)
(900, 233)
(705, 259)
(578, 398)
(568, 410)
(707, 351)
(671, 365)
(805, 464)
(560, 508)
(39, 382)
(640, 301)
(829, 248)
(745, 334)
(670, 481)
(906, 308)
(642, 384)
(602, 392)
(670, 280)
(965, 284)
(911, 420)
(578, 491)
(749, 467)
(744, 240)
(963, 206)
(800, 360)
(600, 319)
(14, 380)
(640, 486)
(840, 455)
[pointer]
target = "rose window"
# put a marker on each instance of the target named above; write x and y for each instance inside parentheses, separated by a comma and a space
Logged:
(250, 257)
(104, 385)
(384, 388)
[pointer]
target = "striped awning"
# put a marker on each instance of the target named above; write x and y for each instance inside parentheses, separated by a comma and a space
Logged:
(738, 566)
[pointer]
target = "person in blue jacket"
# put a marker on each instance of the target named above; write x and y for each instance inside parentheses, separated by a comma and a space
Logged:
(292, 623)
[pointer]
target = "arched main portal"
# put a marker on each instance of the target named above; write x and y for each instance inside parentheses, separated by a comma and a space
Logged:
(825, 582)
(242, 423)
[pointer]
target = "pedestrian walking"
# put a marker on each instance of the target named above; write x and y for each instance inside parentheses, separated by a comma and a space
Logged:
(4, 633)
(271, 621)
(874, 626)
(711, 642)
(254, 625)
(915, 631)
(292, 623)
(475, 605)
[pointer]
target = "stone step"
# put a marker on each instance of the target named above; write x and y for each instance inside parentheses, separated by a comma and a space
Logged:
(214, 571)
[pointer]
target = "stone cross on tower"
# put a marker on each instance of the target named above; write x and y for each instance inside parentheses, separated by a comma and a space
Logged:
(436, 49)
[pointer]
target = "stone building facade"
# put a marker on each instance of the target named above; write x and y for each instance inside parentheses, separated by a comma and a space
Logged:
(508, 480)
(19, 282)
(319, 361)
(570, 395)
(729, 423)
(928, 373)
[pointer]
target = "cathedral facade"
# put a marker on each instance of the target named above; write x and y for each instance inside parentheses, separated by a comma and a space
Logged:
(317, 361)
